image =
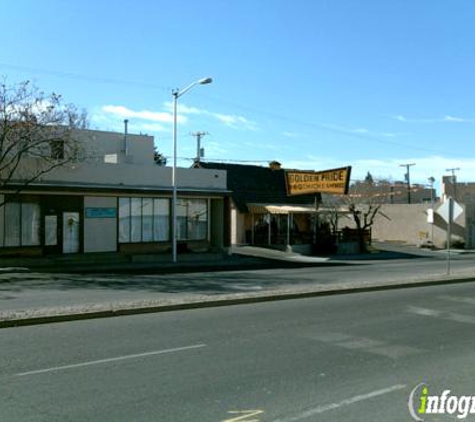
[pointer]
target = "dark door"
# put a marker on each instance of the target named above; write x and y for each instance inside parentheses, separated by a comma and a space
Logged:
(62, 224)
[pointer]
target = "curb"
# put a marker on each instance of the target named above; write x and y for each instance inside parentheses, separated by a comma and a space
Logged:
(240, 300)
(265, 264)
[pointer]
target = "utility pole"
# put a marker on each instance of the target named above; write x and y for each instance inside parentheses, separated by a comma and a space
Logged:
(198, 135)
(408, 179)
(431, 181)
(454, 181)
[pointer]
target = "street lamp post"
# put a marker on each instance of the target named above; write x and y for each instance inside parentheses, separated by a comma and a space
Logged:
(177, 93)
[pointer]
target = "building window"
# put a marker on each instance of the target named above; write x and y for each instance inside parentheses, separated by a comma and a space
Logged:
(57, 149)
(144, 220)
(135, 220)
(192, 219)
(147, 219)
(124, 220)
(161, 219)
(22, 224)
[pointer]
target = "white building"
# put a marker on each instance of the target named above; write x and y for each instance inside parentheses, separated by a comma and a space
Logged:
(120, 201)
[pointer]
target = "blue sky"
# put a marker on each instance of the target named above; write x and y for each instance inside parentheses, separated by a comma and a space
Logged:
(313, 84)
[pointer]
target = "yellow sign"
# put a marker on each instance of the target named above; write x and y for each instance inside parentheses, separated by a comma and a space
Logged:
(328, 181)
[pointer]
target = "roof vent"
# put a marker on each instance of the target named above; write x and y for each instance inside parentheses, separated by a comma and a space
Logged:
(275, 165)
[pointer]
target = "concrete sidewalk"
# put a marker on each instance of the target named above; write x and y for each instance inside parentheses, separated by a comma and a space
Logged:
(250, 257)
(107, 263)
(116, 305)
(28, 297)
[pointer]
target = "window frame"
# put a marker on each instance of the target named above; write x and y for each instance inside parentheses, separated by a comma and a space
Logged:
(152, 219)
(21, 204)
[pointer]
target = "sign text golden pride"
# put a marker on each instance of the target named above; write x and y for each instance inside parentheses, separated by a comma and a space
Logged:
(328, 181)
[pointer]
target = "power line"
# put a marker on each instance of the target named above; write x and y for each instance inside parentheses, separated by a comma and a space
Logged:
(99, 79)
(328, 128)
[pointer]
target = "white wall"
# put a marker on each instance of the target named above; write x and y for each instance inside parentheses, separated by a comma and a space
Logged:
(139, 170)
(238, 227)
(100, 234)
(407, 223)
(99, 143)
(134, 175)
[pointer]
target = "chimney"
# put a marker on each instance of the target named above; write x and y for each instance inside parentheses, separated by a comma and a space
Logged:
(126, 141)
(275, 165)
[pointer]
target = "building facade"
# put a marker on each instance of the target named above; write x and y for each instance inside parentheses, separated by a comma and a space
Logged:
(115, 200)
(262, 213)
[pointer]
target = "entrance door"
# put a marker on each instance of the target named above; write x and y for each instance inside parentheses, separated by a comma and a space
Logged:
(70, 232)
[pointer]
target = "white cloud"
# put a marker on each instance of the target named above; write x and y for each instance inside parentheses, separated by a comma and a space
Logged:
(183, 109)
(107, 113)
(292, 135)
(127, 113)
(149, 127)
(360, 130)
(230, 120)
(214, 149)
(363, 131)
(400, 118)
(235, 122)
(447, 118)
(456, 119)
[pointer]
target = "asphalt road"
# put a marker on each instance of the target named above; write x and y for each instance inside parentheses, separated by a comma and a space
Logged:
(26, 291)
(350, 357)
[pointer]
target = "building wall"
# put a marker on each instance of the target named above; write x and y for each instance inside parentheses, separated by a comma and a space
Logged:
(393, 193)
(408, 224)
(133, 175)
(100, 233)
(98, 144)
(88, 181)
(238, 227)
(470, 226)
(137, 169)
(461, 192)
(217, 228)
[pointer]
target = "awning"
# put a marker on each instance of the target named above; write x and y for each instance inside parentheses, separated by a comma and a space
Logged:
(292, 209)
(279, 209)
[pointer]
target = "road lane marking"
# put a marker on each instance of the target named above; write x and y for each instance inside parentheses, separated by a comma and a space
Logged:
(245, 414)
(377, 347)
(116, 359)
(467, 300)
(449, 316)
(333, 406)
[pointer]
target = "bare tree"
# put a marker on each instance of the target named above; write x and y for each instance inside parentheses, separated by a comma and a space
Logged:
(36, 134)
(363, 202)
(363, 216)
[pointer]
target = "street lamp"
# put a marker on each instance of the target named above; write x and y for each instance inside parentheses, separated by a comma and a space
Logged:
(177, 93)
